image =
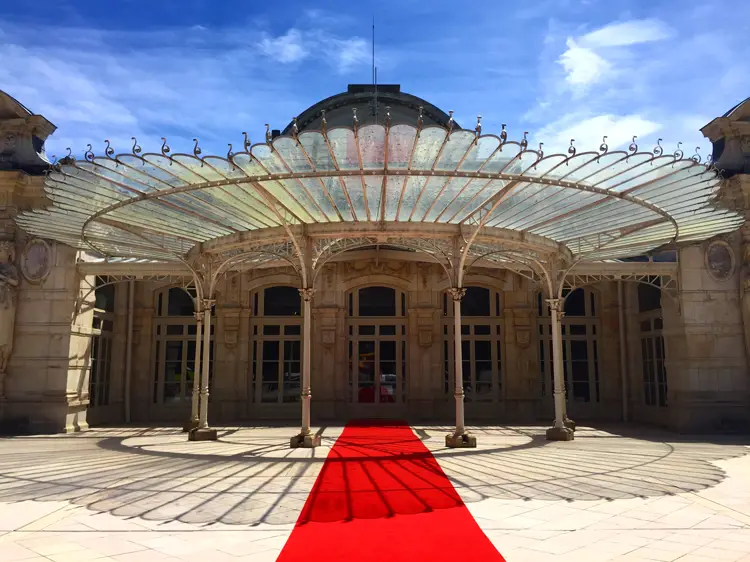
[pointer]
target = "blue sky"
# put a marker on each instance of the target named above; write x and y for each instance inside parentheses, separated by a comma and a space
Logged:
(559, 69)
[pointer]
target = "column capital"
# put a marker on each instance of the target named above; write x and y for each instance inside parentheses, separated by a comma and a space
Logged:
(307, 293)
(207, 304)
(555, 304)
(457, 293)
(198, 316)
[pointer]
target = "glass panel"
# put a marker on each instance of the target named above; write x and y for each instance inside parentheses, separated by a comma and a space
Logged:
(366, 372)
(466, 360)
(180, 303)
(483, 370)
(645, 325)
(271, 330)
(577, 329)
(173, 371)
(377, 301)
(387, 370)
(455, 149)
(372, 194)
(282, 301)
(269, 391)
(575, 304)
(105, 298)
(482, 330)
(400, 145)
(649, 298)
(371, 145)
(476, 302)
(344, 148)
(367, 330)
(292, 330)
(658, 324)
(291, 154)
(393, 187)
(316, 148)
(479, 153)
(428, 147)
(175, 329)
(291, 373)
(387, 330)
(465, 329)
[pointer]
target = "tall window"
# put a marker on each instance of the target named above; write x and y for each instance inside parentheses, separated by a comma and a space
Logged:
(175, 328)
(481, 345)
(101, 343)
(650, 326)
(580, 327)
(377, 345)
(277, 344)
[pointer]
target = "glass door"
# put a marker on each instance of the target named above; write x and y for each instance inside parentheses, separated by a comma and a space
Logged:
(378, 371)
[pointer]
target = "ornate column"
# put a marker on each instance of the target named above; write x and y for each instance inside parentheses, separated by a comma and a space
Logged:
(459, 438)
(745, 284)
(203, 432)
(558, 432)
(305, 438)
(194, 420)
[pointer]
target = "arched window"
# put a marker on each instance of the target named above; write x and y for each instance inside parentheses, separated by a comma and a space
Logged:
(650, 326)
(276, 328)
(481, 345)
(377, 345)
(580, 326)
(101, 343)
(175, 329)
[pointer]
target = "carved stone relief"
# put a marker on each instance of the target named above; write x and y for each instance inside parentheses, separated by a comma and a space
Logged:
(36, 260)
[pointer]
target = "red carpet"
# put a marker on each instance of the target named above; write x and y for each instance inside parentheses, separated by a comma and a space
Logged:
(381, 496)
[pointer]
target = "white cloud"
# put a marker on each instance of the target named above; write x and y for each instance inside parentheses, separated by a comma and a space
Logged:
(582, 65)
(285, 48)
(628, 33)
(589, 130)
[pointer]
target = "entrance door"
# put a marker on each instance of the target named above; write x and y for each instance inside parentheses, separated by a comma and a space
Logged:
(377, 351)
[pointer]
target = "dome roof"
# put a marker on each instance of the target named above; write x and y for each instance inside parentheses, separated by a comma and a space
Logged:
(404, 108)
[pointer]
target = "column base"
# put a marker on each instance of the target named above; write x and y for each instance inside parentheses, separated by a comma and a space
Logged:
(560, 434)
(202, 434)
(463, 441)
(190, 424)
(302, 441)
(570, 424)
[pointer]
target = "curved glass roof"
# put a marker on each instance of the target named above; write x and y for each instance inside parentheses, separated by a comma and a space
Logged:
(600, 205)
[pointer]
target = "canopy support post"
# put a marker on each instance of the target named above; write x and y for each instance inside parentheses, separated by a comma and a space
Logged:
(193, 422)
(203, 432)
(305, 438)
(459, 438)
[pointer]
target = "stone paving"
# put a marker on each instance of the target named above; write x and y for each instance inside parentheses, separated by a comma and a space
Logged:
(146, 494)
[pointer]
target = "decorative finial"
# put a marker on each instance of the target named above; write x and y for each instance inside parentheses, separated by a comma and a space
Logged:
(89, 154)
(710, 160)
(196, 149)
(503, 135)
(696, 157)
(246, 142)
(679, 154)
(70, 156)
(633, 148)
(355, 120)
(478, 128)
(295, 128)
(541, 152)
(524, 142)
(230, 153)
(108, 151)
(136, 149)
(387, 115)
(164, 148)
(323, 122)
(658, 150)
(268, 134)
(450, 121)
(571, 148)
(420, 119)
(603, 148)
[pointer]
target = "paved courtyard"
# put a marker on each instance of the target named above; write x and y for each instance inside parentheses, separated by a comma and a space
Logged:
(143, 494)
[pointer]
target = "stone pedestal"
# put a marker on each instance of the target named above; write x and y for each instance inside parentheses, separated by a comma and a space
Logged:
(570, 424)
(189, 426)
(464, 441)
(205, 434)
(308, 441)
(560, 434)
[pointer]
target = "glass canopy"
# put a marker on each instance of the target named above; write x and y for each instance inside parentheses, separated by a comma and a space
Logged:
(599, 205)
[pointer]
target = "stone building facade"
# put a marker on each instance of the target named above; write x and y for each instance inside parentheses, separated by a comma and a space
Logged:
(81, 348)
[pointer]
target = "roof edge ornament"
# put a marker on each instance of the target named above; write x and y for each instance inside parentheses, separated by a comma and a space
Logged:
(295, 128)
(571, 148)
(89, 154)
(355, 122)
(478, 128)
(165, 150)
(197, 151)
(503, 135)
(246, 141)
(136, 148)
(323, 123)
(451, 122)
(633, 148)
(525, 142)
(108, 150)
(658, 150)
(420, 118)
(604, 147)
(696, 157)
(679, 154)
(269, 138)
